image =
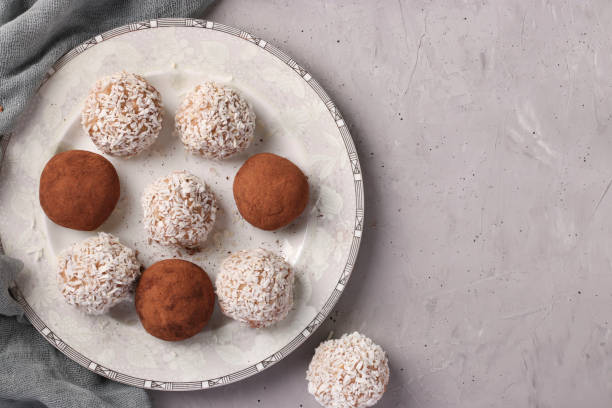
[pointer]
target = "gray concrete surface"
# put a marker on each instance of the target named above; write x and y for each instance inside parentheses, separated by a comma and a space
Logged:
(484, 134)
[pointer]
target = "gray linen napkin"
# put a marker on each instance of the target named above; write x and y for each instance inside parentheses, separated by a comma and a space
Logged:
(33, 35)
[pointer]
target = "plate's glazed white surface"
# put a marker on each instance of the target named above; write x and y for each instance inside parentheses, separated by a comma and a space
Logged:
(292, 121)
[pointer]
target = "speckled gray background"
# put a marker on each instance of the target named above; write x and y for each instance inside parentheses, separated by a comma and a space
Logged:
(484, 134)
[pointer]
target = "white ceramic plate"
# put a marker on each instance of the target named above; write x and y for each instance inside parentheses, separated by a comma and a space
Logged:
(295, 119)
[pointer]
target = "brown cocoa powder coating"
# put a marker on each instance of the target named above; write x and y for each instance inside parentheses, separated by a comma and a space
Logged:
(79, 189)
(174, 299)
(270, 191)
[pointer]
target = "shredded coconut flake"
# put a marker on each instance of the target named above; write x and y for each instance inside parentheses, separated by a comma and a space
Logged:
(215, 121)
(97, 273)
(256, 287)
(122, 114)
(351, 372)
(179, 210)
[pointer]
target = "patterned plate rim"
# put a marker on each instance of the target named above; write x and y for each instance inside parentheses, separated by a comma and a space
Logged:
(260, 366)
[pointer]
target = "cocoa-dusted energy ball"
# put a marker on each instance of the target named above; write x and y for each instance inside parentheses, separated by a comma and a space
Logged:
(270, 191)
(98, 273)
(179, 209)
(215, 121)
(122, 114)
(256, 287)
(78, 189)
(350, 372)
(174, 299)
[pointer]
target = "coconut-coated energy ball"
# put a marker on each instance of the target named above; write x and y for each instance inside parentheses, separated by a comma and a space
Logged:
(122, 114)
(350, 372)
(215, 121)
(98, 273)
(256, 287)
(179, 210)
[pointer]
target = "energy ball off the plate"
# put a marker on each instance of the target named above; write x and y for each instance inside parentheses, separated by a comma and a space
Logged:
(174, 299)
(256, 287)
(179, 210)
(350, 372)
(122, 114)
(78, 189)
(215, 121)
(270, 191)
(98, 273)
